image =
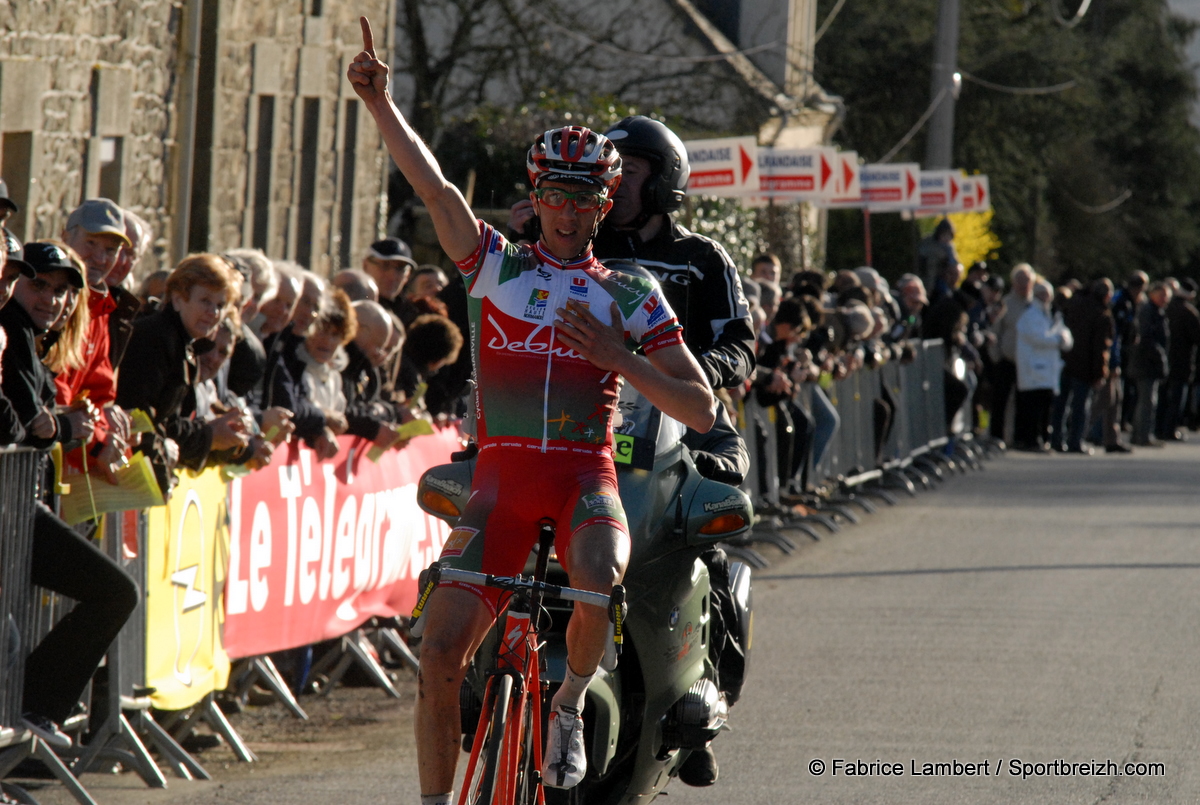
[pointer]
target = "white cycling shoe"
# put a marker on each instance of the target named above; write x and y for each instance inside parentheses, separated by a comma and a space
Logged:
(565, 761)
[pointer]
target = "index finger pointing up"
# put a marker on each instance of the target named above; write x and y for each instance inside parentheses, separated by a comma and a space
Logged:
(368, 38)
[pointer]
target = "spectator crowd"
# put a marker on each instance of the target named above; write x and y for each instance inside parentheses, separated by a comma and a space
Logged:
(1068, 369)
(227, 356)
(215, 363)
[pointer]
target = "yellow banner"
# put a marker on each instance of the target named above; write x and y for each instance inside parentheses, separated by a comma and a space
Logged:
(186, 556)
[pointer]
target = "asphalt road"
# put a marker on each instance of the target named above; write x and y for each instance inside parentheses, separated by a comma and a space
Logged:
(1042, 610)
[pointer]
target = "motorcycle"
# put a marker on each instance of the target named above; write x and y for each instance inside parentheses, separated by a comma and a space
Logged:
(689, 627)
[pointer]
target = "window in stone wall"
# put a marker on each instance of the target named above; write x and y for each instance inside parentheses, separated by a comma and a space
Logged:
(349, 159)
(111, 149)
(264, 156)
(306, 203)
(16, 161)
(315, 8)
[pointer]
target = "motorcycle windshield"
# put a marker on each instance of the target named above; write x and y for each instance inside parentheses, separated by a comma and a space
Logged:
(642, 421)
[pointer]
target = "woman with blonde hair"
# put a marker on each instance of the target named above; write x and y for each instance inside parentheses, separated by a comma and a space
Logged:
(64, 349)
(64, 353)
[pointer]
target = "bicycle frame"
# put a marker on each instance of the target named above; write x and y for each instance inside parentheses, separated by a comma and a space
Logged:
(517, 659)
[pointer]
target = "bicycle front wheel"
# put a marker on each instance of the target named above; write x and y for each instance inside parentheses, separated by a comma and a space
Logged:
(528, 781)
(492, 752)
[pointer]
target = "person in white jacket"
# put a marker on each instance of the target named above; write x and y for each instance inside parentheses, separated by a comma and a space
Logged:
(324, 359)
(1041, 339)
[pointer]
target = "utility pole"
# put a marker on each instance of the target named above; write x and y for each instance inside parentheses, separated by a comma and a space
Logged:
(939, 146)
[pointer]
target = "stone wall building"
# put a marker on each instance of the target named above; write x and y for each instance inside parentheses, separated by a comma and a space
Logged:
(224, 123)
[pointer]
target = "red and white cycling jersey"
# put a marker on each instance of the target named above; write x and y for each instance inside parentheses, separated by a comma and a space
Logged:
(533, 391)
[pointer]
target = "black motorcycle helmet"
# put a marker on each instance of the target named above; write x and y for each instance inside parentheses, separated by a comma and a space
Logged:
(642, 137)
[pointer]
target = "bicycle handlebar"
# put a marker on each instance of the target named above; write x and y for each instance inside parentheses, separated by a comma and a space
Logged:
(614, 603)
(514, 583)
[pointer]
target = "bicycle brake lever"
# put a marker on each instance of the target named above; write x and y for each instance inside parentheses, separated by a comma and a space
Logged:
(428, 582)
(618, 610)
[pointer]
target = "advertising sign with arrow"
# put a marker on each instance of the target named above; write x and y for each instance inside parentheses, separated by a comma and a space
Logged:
(797, 174)
(847, 184)
(976, 194)
(891, 188)
(187, 542)
(726, 167)
(941, 191)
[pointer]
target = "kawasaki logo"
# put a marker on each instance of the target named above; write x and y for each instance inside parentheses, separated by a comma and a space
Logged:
(731, 502)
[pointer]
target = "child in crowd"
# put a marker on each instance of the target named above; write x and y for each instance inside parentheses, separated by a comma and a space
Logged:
(433, 341)
(310, 383)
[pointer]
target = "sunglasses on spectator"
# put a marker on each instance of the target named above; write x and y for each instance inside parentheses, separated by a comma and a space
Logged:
(583, 201)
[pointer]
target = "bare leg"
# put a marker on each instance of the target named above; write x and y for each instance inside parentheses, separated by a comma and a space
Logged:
(597, 560)
(457, 622)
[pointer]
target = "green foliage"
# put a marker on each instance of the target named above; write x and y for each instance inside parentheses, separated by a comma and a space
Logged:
(727, 222)
(493, 141)
(1058, 163)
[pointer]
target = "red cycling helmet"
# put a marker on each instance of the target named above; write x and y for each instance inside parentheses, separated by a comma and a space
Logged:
(574, 154)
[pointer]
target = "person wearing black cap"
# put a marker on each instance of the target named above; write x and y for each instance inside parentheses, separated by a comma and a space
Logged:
(390, 263)
(1183, 320)
(38, 300)
(64, 561)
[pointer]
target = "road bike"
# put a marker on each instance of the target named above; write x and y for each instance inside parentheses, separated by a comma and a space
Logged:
(506, 753)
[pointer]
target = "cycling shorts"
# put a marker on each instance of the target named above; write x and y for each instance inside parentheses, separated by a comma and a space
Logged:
(512, 490)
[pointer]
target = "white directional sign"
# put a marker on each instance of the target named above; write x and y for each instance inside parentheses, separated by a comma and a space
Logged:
(727, 167)
(941, 191)
(847, 187)
(891, 188)
(976, 195)
(796, 174)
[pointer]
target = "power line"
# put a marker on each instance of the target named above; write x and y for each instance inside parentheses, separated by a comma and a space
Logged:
(833, 12)
(1103, 208)
(1066, 85)
(916, 127)
(620, 51)
(1057, 11)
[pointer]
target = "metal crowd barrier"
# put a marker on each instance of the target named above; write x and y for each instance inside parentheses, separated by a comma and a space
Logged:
(914, 446)
(20, 471)
(854, 444)
(28, 614)
(127, 725)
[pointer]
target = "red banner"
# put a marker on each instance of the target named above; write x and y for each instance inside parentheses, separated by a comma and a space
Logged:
(318, 547)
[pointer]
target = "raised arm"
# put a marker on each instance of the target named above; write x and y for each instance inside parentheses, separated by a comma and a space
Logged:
(455, 224)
